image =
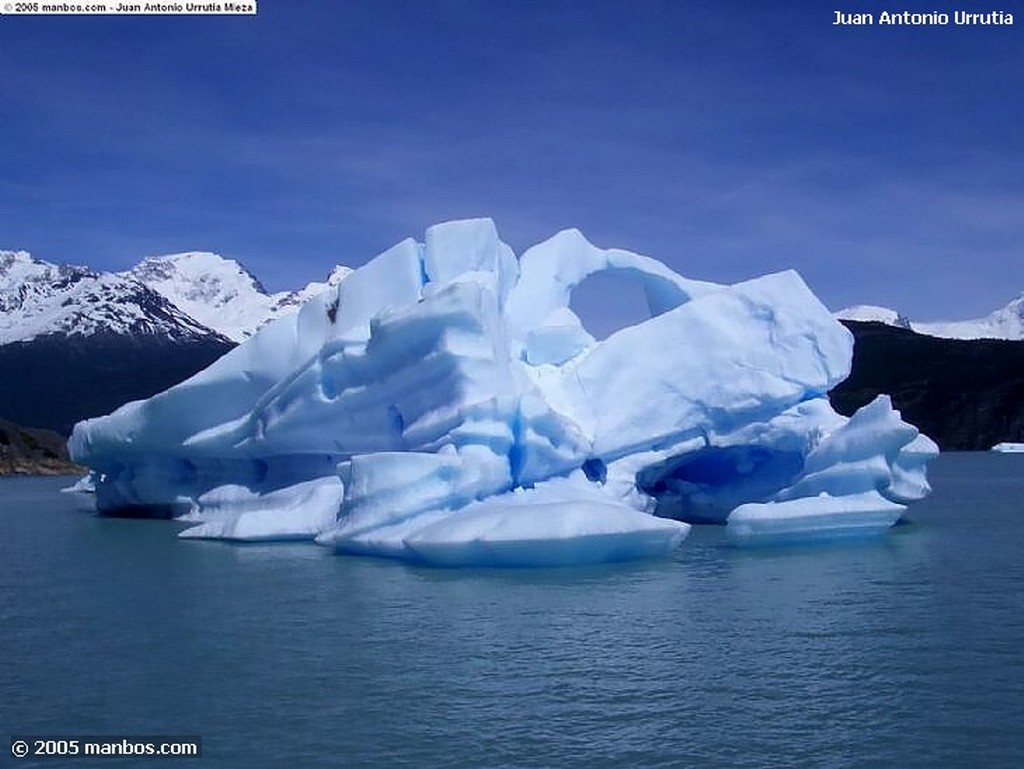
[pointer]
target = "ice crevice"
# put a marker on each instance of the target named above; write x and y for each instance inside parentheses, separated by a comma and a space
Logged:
(444, 405)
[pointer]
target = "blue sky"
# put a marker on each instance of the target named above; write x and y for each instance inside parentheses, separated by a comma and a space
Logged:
(728, 139)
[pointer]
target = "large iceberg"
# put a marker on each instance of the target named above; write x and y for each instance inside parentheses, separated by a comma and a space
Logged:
(445, 405)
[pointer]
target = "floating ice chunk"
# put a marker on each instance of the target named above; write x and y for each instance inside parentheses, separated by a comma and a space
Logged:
(813, 518)
(1009, 448)
(84, 485)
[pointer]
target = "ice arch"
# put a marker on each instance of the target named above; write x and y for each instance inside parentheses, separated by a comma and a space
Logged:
(538, 305)
(610, 300)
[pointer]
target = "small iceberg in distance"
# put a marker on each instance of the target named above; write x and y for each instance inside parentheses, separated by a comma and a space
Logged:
(1007, 447)
(444, 405)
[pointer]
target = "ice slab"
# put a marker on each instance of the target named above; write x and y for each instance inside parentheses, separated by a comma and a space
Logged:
(813, 518)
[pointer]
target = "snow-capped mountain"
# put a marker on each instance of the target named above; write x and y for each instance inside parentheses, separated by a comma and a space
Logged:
(178, 296)
(75, 343)
(38, 298)
(221, 293)
(1005, 323)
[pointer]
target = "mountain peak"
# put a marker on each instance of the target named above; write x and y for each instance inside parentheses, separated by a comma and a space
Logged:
(221, 293)
(20, 267)
(9, 258)
(205, 271)
(39, 298)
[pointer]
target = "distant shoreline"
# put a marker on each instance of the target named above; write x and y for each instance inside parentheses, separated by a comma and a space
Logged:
(31, 451)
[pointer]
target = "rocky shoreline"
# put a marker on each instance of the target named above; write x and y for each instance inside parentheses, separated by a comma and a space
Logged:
(31, 451)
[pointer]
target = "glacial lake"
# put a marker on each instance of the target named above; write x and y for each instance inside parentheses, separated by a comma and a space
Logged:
(902, 651)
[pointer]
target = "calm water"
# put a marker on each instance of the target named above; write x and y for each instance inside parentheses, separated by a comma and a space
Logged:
(900, 652)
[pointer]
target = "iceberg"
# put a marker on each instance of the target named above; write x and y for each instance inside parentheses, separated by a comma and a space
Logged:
(445, 405)
(1007, 447)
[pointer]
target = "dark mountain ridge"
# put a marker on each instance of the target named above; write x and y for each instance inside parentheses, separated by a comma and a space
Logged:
(55, 380)
(964, 394)
(75, 343)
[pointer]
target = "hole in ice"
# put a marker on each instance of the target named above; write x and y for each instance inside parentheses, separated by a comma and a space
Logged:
(606, 302)
(704, 486)
(595, 470)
